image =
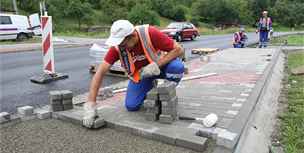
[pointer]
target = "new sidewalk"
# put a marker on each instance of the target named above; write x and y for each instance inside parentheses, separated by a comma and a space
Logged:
(232, 93)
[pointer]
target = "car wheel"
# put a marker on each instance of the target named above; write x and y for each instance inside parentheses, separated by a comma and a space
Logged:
(179, 38)
(22, 37)
(193, 37)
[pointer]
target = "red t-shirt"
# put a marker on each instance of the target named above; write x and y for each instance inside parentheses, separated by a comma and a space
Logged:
(160, 42)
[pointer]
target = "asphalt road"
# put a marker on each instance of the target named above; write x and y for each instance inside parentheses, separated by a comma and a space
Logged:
(17, 68)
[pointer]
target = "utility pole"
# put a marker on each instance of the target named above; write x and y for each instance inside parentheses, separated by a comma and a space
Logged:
(15, 6)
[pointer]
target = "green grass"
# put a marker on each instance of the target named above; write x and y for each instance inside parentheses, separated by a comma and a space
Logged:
(292, 125)
(291, 40)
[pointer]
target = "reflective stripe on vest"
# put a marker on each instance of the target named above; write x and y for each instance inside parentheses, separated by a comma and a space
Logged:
(237, 37)
(149, 51)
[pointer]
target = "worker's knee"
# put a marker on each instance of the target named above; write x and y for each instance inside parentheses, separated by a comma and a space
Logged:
(176, 66)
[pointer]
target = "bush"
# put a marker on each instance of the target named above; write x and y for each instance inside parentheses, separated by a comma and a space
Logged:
(179, 13)
(142, 14)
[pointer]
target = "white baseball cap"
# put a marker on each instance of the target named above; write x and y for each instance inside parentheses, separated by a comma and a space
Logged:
(119, 30)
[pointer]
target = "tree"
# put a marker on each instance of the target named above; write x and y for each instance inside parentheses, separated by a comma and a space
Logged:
(179, 13)
(289, 13)
(81, 11)
(216, 11)
(142, 14)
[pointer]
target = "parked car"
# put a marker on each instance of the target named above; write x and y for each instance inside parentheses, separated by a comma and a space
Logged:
(19, 27)
(181, 30)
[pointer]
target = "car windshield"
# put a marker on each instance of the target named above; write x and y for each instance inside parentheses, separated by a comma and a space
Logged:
(175, 25)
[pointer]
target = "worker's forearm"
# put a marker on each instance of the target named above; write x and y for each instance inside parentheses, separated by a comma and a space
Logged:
(94, 87)
(176, 52)
(97, 81)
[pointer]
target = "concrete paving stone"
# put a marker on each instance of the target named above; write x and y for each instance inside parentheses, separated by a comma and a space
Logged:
(202, 114)
(206, 105)
(166, 119)
(151, 116)
(56, 108)
(169, 111)
(227, 139)
(154, 110)
(232, 112)
(209, 132)
(237, 105)
(244, 94)
(141, 129)
(172, 102)
(152, 94)
(166, 87)
(55, 95)
(25, 110)
(98, 123)
(195, 102)
(66, 94)
(67, 106)
(56, 102)
(165, 135)
(4, 117)
(193, 142)
(43, 114)
(67, 101)
(224, 122)
(150, 103)
(241, 100)
(206, 108)
(168, 96)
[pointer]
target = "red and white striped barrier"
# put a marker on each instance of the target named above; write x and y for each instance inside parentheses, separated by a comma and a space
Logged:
(47, 45)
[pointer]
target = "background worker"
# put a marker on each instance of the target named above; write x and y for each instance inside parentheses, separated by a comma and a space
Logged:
(264, 26)
(239, 38)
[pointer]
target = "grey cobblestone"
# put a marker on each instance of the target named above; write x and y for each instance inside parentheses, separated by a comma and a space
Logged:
(4, 117)
(25, 110)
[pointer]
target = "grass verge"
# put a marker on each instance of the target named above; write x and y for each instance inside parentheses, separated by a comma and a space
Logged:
(292, 119)
(292, 40)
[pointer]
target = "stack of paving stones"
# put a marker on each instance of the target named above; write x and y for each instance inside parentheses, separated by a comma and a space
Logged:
(61, 100)
(152, 105)
(161, 103)
(169, 101)
(105, 93)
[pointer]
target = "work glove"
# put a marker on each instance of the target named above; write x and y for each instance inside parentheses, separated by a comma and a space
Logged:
(150, 70)
(90, 114)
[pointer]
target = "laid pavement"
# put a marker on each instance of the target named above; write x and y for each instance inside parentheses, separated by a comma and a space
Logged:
(231, 94)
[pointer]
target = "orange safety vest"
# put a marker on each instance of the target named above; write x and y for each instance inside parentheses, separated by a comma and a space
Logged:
(149, 50)
(236, 38)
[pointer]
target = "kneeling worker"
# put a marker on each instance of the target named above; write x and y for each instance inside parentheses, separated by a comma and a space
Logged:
(138, 49)
(239, 38)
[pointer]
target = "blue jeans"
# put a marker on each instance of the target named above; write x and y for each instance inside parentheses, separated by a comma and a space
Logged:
(136, 92)
(263, 39)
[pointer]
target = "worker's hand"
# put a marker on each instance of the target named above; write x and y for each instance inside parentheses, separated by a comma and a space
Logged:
(150, 70)
(90, 114)
(256, 31)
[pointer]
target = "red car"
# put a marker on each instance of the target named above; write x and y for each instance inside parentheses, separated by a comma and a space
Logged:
(181, 30)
